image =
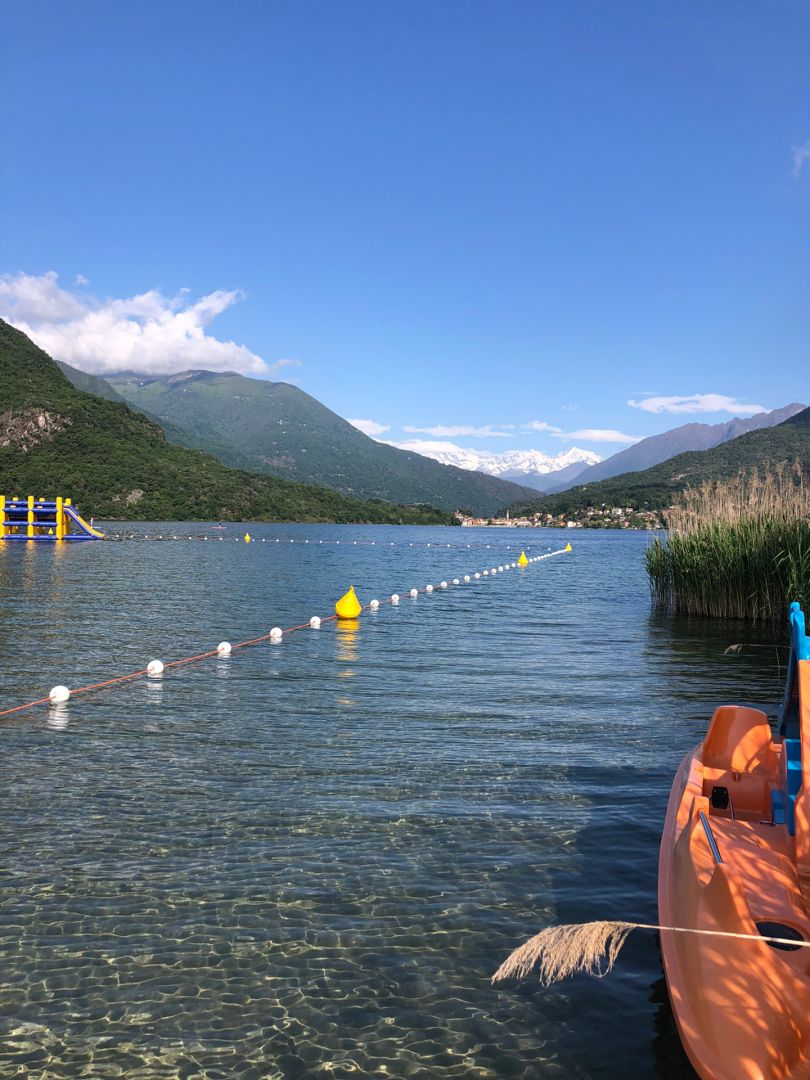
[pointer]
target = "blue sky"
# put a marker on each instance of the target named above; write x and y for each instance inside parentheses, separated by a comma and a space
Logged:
(450, 216)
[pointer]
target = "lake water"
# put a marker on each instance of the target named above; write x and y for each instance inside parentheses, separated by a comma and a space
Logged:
(308, 859)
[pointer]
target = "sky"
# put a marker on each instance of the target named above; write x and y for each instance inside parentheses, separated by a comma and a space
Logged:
(502, 225)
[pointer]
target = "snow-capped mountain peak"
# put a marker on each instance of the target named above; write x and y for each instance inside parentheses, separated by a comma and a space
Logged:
(522, 466)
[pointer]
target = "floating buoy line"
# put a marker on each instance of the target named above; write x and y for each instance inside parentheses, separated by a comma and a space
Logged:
(247, 538)
(348, 607)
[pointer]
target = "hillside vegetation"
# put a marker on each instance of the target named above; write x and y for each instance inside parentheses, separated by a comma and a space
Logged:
(115, 462)
(276, 428)
(659, 487)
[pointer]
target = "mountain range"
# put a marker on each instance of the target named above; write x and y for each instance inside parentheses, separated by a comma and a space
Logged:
(116, 462)
(784, 446)
(658, 448)
(530, 467)
(277, 429)
(552, 473)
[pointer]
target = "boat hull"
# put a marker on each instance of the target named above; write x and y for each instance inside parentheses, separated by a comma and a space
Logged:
(742, 1006)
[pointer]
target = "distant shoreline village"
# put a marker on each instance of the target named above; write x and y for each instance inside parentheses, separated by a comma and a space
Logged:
(605, 517)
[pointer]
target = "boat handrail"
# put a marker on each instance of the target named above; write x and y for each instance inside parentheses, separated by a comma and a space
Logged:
(715, 850)
(799, 650)
(799, 641)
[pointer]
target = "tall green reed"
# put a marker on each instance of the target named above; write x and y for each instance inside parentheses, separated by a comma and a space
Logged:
(736, 549)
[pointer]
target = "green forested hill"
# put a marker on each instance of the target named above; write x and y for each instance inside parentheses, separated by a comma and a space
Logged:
(115, 462)
(278, 429)
(89, 384)
(656, 488)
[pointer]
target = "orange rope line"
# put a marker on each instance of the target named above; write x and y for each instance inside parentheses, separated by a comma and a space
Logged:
(210, 653)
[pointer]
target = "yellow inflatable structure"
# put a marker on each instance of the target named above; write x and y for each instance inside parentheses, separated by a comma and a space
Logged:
(348, 606)
(568, 548)
(523, 561)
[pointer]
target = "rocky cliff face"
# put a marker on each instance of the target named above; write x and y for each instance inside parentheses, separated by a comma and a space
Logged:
(25, 428)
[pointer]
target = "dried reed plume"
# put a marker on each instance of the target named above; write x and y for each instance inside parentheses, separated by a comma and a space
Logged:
(738, 548)
(558, 952)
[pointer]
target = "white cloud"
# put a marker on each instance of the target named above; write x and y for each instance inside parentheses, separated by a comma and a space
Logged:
(279, 364)
(585, 434)
(451, 432)
(601, 435)
(800, 155)
(370, 427)
(541, 425)
(149, 333)
(423, 446)
(696, 403)
(80, 279)
(429, 446)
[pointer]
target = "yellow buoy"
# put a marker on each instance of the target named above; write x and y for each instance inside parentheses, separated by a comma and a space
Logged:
(523, 561)
(568, 547)
(348, 606)
(247, 538)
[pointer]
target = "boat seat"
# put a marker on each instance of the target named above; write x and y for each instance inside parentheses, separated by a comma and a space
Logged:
(739, 740)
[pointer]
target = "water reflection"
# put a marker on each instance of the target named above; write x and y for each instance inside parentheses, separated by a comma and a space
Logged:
(347, 635)
(668, 1053)
(154, 688)
(58, 716)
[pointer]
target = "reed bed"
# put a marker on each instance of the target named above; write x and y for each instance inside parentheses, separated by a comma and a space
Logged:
(736, 549)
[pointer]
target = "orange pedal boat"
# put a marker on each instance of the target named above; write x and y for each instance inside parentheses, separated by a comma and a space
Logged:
(735, 856)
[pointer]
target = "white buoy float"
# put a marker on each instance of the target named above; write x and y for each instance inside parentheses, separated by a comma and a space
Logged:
(414, 593)
(224, 648)
(154, 669)
(315, 622)
(275, 633)
(477, 575)
(486, 573)
(467, 578)
(59, 695)
(456, 581)
(374, 604)
(428, 588)
(394, 598)
(443, 585)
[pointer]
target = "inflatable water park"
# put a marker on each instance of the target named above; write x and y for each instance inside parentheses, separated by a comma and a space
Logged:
(43, 521)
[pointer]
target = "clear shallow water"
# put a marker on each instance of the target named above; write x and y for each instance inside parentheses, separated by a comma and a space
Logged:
(308, 859)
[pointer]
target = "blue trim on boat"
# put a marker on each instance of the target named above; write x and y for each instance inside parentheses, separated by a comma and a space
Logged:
(789, 719)
(793, 769)
(799, 641)
(777, 808)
